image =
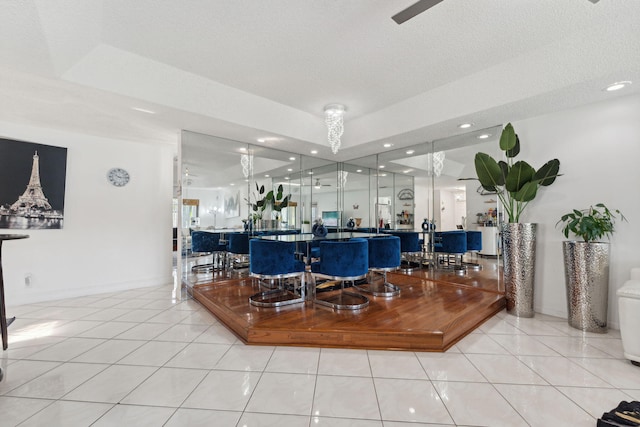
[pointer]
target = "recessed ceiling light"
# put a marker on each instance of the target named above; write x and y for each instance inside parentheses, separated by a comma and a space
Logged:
(407, 171)
(243, 149)
(314, 151)
(289, 170)
(465, 125)
(617, 86)
(310, 172)
(381, 166)
(387, 145)
(292, 158)
(383, 174)
(484, 136)
(143, 110)
(266, 175)
(358, 170)
(410, 152)
(286, 177)
(233, 183)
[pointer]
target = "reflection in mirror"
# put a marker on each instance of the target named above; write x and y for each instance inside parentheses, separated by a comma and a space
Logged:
(231, 186)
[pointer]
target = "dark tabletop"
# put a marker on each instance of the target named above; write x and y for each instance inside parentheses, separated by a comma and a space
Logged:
(13, 236)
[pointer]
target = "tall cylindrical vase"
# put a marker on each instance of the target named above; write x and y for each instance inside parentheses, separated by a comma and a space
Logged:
(519, 255)
(586, 275)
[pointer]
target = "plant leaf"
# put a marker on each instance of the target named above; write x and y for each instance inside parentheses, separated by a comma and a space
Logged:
(548, 173)
(519, 174)
(515, 150)
(488, 171)
(284, 203)
(527, 193)
(508, 138)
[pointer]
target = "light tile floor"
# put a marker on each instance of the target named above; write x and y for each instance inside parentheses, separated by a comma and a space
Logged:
(152, 357)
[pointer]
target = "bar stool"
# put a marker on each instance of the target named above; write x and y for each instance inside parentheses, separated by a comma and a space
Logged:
(204, 244)
(344, 261)
(275, 261)
(237, 251)
(384, 256)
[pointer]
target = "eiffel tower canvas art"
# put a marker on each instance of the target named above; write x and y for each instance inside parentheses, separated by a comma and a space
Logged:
(32, 184)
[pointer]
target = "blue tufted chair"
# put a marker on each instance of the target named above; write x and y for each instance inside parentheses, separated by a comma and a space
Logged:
(410, 248)
(237, 251)
(451, 243)
(206, 243)
(384, 256)
(346, 260)
(275, 261)
(474, 245)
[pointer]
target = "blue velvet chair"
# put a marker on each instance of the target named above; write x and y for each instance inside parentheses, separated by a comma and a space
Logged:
(237, 252)
(410, 248)
(276, 262)
(474, 246)
(384, 256)
(451, 244)
(343, 260)
(206, 243)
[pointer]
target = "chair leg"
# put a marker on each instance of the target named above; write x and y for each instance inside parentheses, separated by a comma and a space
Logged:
(384, 289)
(204, 268)
(343, 300)
(279, 297)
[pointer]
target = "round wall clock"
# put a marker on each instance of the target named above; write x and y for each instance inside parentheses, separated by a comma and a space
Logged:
(118, 177)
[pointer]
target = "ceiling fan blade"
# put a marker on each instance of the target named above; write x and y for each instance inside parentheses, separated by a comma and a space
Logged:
(413, 10)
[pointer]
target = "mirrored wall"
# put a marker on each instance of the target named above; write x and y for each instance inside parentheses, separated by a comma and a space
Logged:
(232, 186)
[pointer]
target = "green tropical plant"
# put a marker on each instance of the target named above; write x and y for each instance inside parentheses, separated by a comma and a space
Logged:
(590, 224)
(516, 184)
(275, 201)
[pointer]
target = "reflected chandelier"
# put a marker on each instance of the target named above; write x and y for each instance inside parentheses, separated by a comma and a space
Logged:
(334, 118)
(246, 160)
(435, 163)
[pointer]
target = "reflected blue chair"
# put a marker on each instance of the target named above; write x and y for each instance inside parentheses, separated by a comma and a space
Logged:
(474, 246)
(384, 256)
(276, 262)
(451, 244)
(342, 261)
(205, 243)
(237, 252)
(410, 248)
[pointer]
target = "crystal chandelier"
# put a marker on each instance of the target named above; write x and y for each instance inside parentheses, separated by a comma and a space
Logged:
(246, 161)
(435, 163)
(342, 179)
(333, 114)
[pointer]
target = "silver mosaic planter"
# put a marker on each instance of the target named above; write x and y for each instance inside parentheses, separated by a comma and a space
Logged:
(586, 274)
(519, 256)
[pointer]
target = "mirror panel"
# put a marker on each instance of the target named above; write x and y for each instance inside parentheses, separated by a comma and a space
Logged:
(398, 189)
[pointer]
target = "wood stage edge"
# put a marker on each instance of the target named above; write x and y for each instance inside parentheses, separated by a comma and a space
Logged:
(433, 311)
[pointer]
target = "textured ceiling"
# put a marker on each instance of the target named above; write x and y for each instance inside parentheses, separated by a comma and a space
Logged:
(249, 69)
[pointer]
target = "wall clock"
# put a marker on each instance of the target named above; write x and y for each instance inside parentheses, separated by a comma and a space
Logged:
(118, 177)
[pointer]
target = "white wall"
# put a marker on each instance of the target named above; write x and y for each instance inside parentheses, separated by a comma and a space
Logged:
(113, 238)
(598, 147)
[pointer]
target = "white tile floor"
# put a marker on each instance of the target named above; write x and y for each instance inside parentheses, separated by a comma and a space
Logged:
(145, 358)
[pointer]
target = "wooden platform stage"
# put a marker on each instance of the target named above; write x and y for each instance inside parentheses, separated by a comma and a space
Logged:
(434, 310)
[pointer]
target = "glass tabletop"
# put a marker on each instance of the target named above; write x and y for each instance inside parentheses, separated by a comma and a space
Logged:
(309, 237)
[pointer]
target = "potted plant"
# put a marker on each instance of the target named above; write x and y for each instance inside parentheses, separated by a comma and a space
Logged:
(278, 201)
(516, 183)
(586, 265)
(270, 202)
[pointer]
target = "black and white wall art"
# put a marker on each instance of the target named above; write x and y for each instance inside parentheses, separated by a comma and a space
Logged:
(32, 185)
